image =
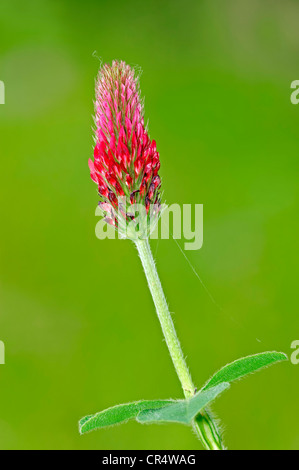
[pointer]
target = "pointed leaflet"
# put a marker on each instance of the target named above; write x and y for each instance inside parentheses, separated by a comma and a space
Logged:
(244, 366)
(118, 414)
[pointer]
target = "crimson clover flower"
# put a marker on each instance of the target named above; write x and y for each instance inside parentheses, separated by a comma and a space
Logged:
(126, 161)
(125, 169)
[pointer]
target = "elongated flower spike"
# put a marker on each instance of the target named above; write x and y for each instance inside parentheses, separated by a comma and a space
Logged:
(126, 162)
(125, 168)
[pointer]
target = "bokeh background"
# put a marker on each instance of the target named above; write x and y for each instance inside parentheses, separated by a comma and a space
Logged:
(76, 316)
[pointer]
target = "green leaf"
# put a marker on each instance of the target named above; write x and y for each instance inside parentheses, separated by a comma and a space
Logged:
(244, 366)
(182, 411)
(118, 414)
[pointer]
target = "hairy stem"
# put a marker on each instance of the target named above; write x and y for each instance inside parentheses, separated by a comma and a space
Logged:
(203, 425)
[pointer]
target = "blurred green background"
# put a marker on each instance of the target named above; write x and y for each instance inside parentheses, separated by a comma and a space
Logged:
(76, 316)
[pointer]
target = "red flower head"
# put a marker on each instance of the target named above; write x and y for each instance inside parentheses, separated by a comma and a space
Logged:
(126, 161)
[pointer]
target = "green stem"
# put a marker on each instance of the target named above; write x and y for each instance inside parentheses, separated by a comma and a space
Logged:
(203, 424)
